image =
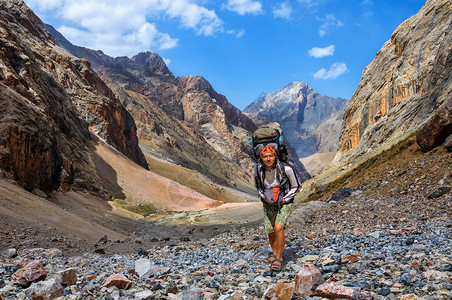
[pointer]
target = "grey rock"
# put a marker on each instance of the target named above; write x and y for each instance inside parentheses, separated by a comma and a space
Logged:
(442, 190)
(11, 252)
(49, 289)
(144, 268)
(384, 291)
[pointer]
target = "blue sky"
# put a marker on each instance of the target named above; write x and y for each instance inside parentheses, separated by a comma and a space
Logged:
(242, 47)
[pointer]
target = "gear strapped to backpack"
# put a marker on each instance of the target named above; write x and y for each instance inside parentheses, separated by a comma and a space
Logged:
(262, 137)
(266, 136)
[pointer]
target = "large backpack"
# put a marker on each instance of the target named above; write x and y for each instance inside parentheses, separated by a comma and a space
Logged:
(266, 136)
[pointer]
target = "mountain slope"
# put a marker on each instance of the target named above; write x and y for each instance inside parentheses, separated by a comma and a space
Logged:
(181, 119)
(405, 86)
(49, 101)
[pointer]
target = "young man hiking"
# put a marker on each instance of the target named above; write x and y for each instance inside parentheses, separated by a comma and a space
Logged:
(277, 184)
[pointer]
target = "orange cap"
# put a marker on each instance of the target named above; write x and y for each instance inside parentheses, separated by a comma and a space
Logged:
(268, 149)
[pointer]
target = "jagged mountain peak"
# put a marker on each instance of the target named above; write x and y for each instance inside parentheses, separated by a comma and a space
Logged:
(291, 93)
(153, 62)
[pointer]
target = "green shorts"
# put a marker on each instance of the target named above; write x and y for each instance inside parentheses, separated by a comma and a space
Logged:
(274, 215)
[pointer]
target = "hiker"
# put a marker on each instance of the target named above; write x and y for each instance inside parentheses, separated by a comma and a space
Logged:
(277, 184)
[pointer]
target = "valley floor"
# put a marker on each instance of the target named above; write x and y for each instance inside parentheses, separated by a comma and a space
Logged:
(390, 237)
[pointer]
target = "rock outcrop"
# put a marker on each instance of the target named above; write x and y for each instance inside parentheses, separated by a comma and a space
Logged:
(404, 87)
(50, 101)
(310, 121)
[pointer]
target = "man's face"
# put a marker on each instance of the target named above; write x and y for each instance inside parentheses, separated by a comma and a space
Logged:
(269, 159)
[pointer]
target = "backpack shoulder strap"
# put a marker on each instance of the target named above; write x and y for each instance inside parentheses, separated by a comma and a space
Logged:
(282, 172)
(257, 176)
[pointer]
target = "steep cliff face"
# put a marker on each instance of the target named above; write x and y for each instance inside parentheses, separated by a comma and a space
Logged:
(218, 131)
(404, 86)
(49, 101)
(310, 121)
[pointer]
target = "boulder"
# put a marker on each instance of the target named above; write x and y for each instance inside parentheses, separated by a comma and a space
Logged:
(117, 280)
(67, 277)
(436, 131)
(31, 272)
(279, 291)
(307, 280)
(333, 290)
(144, 268)
(45, 290)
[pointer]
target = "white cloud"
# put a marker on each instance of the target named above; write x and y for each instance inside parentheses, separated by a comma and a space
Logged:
(328, 22)
(238, 34)
(335, 71)
(284, 11)
(123, 28)
(243, 7)
(321, 52)
(367, 2)
(116, 44)
(167, 61)
(203, 20)
(43, 4)
(308, 2)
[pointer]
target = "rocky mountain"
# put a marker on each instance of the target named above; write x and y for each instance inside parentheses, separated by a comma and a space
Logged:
(406, 88)
(183, 120)
(50, 101)
(310, 121)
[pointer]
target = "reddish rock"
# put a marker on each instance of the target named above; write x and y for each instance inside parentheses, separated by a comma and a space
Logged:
(117, 280)
(279, 291)
(409, 297)
(32, 272)
(333, 290)
(351, 258)
(307, 280)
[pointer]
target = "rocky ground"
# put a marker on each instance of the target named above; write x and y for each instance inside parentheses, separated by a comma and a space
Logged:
(387, 234)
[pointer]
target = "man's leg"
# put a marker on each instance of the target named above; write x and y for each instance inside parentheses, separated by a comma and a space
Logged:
(279, 241)
(272, 239)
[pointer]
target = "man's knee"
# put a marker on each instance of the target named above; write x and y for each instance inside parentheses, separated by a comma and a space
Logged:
(279, 228)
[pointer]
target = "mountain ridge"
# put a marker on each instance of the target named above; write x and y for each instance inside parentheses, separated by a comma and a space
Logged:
(189, 99)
